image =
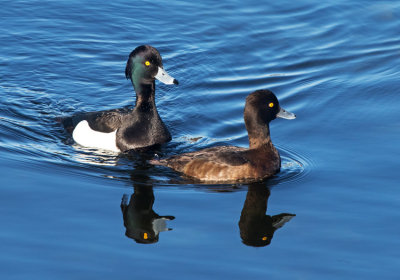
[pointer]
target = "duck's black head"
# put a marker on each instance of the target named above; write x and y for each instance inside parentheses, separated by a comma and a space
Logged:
(144, 65)
(262, 106)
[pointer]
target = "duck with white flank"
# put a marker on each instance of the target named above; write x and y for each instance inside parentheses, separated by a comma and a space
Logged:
(125, 129)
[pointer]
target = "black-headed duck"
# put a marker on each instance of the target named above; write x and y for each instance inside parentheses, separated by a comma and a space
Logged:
(125, 129)
(229, 163)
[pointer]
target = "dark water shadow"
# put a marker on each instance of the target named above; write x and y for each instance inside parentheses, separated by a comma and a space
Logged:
(141, 222)
(256, 227)
(144, 225)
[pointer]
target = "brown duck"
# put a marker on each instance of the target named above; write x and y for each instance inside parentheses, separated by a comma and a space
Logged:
(229, 163)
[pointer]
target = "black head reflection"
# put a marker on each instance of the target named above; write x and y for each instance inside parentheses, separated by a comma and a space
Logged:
(257, 228)
(142, 224)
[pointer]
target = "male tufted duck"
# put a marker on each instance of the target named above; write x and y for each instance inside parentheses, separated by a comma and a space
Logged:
(125, 129)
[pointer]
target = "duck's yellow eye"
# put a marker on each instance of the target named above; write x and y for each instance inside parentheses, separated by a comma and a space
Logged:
(271, 104)
(265, 238)
(145, 236)
(147, 63)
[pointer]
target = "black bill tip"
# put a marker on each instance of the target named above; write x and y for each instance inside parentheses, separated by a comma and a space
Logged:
(176, 82)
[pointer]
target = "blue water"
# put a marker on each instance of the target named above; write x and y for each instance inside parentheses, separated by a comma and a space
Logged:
(336, 65)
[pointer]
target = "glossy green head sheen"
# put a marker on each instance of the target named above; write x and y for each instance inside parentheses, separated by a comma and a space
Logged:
(137, 72)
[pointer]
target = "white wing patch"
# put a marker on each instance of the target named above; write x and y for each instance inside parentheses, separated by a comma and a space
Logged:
(87, 137)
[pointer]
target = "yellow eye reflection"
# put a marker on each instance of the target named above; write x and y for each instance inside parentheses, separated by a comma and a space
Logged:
(145, 236)
(271, 105)
(265, 238)
(147, 63)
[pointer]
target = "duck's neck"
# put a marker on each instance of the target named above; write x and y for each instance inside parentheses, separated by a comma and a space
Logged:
(145, 97)
(259, 138)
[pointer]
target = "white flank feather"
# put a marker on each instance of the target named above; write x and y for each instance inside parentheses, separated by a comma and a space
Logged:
(87, 137)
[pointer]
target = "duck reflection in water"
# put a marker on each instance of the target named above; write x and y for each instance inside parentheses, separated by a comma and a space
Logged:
(142, 224)
(257, 228)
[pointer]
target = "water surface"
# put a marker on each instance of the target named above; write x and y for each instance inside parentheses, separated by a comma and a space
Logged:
(332, 211)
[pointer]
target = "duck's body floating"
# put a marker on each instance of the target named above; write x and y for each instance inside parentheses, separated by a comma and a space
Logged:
(230, 163)
(126, 129)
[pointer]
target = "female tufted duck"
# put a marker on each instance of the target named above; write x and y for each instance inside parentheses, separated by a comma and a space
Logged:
(230, 163)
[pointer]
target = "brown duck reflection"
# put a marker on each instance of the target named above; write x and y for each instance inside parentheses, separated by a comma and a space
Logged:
(141, 222)
(257, 228)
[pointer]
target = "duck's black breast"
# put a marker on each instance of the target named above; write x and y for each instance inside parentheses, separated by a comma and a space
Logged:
(141, 129)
